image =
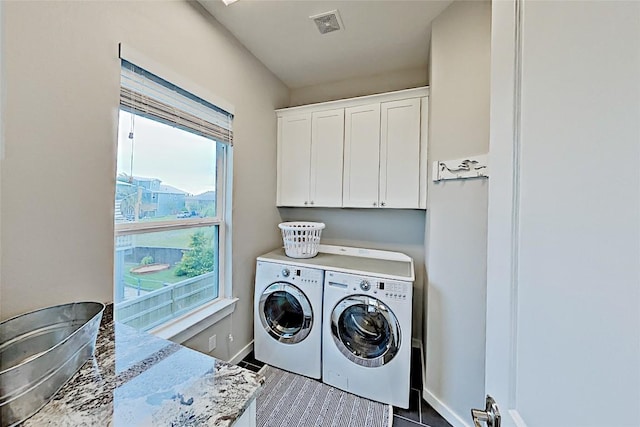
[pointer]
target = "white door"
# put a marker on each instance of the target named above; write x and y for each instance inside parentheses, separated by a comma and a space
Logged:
(563, 279)
(400, 154)
(327, 142)
(294, 160)
(361, 156)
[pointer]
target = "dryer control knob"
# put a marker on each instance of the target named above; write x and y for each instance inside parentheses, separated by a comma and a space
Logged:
(365, 285)
(285, 272)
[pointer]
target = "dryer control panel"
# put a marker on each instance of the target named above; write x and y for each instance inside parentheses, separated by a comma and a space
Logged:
(375, 286)
(395, 290)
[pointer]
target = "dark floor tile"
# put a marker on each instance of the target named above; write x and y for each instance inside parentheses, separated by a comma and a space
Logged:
(252, 367)
(403, 422)
(413, 413)
(431, 417)
(416, 369)
(250, 358)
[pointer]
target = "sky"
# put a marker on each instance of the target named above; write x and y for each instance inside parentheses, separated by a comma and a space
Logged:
(178, 158)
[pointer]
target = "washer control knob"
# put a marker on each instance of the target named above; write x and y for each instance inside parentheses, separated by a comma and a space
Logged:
(285, 272)
(365, 285)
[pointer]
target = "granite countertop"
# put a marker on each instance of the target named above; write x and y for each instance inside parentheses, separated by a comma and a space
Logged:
(137, 379)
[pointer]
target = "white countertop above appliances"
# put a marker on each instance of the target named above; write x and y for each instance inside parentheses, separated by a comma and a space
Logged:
(345, 259)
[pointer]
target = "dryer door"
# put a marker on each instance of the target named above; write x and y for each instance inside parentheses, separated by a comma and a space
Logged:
(285, 313)
(365, 330)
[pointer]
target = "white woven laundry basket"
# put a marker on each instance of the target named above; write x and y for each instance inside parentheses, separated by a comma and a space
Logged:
(301, 238)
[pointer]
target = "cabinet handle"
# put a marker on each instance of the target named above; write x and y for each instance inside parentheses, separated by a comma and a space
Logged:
(383, 204)
(375, 204)
(306, 203)
(311, 203)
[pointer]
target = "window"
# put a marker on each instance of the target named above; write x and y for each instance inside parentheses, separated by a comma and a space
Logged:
(172, 190)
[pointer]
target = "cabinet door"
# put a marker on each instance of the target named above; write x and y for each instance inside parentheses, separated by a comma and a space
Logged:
(361, 156)
(327, 136)
(400, 154)
(294, 157)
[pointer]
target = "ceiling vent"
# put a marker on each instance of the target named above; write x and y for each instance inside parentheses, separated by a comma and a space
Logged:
(328, 21)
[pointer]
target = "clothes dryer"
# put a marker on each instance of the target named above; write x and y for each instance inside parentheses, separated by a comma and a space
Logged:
(367, 336)
(288, 317)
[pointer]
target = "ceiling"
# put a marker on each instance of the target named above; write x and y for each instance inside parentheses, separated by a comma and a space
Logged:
(378, 36)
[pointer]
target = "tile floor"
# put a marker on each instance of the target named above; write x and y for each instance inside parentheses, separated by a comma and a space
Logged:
(420, 413)
(251, 363)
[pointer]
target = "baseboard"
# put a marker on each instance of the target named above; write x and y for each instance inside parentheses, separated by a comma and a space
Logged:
(242, 353)
(423, 366)
(447, 413)
(431, 399)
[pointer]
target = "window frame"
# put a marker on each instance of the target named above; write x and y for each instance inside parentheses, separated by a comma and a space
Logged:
(189, 324)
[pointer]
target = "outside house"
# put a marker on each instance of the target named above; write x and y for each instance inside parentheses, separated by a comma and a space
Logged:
(168, 200)
(155, 200)
(148, 196)
(203, 203)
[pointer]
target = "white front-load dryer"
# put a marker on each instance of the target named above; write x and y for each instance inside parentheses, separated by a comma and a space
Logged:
(367, 336)
(288, 317)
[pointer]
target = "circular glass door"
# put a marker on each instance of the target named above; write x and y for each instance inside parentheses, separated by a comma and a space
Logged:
(365, 330)
(285, 313)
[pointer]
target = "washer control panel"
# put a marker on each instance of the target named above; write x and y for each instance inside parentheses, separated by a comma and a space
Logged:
(375, 286)
(308, 276)
(293, 274)
(290, 273)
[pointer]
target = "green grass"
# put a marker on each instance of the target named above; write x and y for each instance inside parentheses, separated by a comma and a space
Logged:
(170, 239)
(150, 281)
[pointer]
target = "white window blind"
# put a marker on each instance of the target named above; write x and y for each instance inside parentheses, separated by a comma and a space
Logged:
(150, 96)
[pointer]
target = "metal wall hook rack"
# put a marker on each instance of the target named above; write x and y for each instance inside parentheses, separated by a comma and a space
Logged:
(464, 168)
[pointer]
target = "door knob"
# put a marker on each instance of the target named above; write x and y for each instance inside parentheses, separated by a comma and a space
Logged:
(490, 415)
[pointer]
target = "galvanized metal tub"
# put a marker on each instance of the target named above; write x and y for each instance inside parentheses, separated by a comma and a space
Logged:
(40, 351)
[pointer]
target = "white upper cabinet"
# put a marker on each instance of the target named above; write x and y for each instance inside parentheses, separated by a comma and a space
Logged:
(366, 152)
(310, 159)
(400, 154)
(361, 156)
(327, 135)
(294, 160)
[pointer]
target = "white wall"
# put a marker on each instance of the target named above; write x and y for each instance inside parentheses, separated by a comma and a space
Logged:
(359, 86)
(2, 92)
(457, 212)
(62, 81)
(564, 317)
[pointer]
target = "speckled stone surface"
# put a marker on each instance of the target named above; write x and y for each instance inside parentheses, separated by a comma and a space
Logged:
(137, 379)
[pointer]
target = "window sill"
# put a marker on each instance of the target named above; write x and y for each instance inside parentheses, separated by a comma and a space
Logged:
(181, 329)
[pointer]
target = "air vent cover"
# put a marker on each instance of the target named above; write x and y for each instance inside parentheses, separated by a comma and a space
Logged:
(328, 21)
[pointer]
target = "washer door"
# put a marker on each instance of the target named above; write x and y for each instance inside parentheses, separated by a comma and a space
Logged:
(285, 313)
(365, 330)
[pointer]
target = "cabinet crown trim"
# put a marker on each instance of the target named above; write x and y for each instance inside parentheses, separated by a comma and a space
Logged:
(354, 102)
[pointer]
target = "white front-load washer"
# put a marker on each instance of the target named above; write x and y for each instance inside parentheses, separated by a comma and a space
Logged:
(367, 336)
(288, 317)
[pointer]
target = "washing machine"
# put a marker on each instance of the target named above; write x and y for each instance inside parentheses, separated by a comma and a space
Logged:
(367, 336)
(288, 317)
